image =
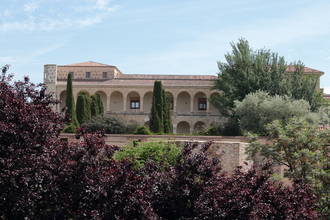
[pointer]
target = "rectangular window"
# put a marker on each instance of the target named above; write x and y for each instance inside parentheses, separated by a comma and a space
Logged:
(135, 104)
(105, 75)
(88, 75)
(202, 104)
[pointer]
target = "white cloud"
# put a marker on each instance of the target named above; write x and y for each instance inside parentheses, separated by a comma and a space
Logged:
(31, 6)
(49, 18)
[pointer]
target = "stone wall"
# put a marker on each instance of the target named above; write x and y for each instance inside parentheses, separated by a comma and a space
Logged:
(230, 150)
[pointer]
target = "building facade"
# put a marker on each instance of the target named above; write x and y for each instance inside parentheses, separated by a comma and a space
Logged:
(129, 96)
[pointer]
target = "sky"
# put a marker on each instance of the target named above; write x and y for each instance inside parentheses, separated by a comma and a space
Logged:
(160, 36)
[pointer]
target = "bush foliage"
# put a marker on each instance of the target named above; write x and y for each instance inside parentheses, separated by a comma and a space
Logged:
(109, 125)
(160, 153)
(258, 109)
(142, 130)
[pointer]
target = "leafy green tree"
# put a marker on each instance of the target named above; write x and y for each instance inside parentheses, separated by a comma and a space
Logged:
(157, 109)
(83, 109)
(304, 150)
(70, 107)
(258, 109)
(246, 71)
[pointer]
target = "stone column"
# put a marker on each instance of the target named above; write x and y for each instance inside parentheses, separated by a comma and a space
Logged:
(191, 104)
(108, 102)
(207, 105)
(125, 103)
(174, 103)
(141, 103)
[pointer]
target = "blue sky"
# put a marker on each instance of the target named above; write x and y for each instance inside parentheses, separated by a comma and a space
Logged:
(160, 36)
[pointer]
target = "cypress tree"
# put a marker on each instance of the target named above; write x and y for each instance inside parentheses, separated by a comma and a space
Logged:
(168, 126)
(95, 110)
(157, 113)
(70, 104)
(83, 108)
(99, 103)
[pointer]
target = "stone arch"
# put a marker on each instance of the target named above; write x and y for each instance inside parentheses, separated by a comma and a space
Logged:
(133, 101)
(116, 102)
(104, 99)
(199, 127)
(62, 100)
(183, 102)
(147, 102)
(170, 99)
(200, 102)
(183, 127)
(212, 108)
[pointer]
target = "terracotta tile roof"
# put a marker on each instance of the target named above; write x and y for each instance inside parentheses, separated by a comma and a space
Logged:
(90, 64)
(291, 68)
(143, 83)
(165, 77)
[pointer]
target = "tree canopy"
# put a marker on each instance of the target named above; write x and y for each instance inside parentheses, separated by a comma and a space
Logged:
(247, 70)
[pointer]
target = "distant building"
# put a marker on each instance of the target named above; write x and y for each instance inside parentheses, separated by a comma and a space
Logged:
(129, 96)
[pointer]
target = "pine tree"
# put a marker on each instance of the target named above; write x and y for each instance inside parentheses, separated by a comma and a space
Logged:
(70, 106)
(157, 110)
(83, 108)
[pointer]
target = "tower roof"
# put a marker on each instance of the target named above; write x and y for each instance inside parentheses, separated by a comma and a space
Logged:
(90, 64)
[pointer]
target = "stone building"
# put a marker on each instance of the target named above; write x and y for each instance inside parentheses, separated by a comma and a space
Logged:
(129, 96)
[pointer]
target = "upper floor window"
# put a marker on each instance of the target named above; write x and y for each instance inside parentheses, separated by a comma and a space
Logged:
(88, 75)
(105, 75)
(135, 104)
(202, 104)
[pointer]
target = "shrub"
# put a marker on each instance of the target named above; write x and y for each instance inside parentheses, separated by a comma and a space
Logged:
(142, 130)
(258, 109)
(109, 125)
(161, 153)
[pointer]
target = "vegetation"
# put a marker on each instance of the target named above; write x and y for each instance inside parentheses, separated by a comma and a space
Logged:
(246, 71)
(304, 150)
(161, 153)
(168, 126)
(142, 130)
(83, 109)
(160, 119)
(70, 108)
(42, 177)
(258, 109)
(109, 125)
(96, 105)
(157, 110)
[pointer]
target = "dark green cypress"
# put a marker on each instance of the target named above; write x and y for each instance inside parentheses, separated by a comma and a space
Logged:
(83, 108)
(95, 110)
(168, 126)
(99, 103)
(70, 104)
(157, 113)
